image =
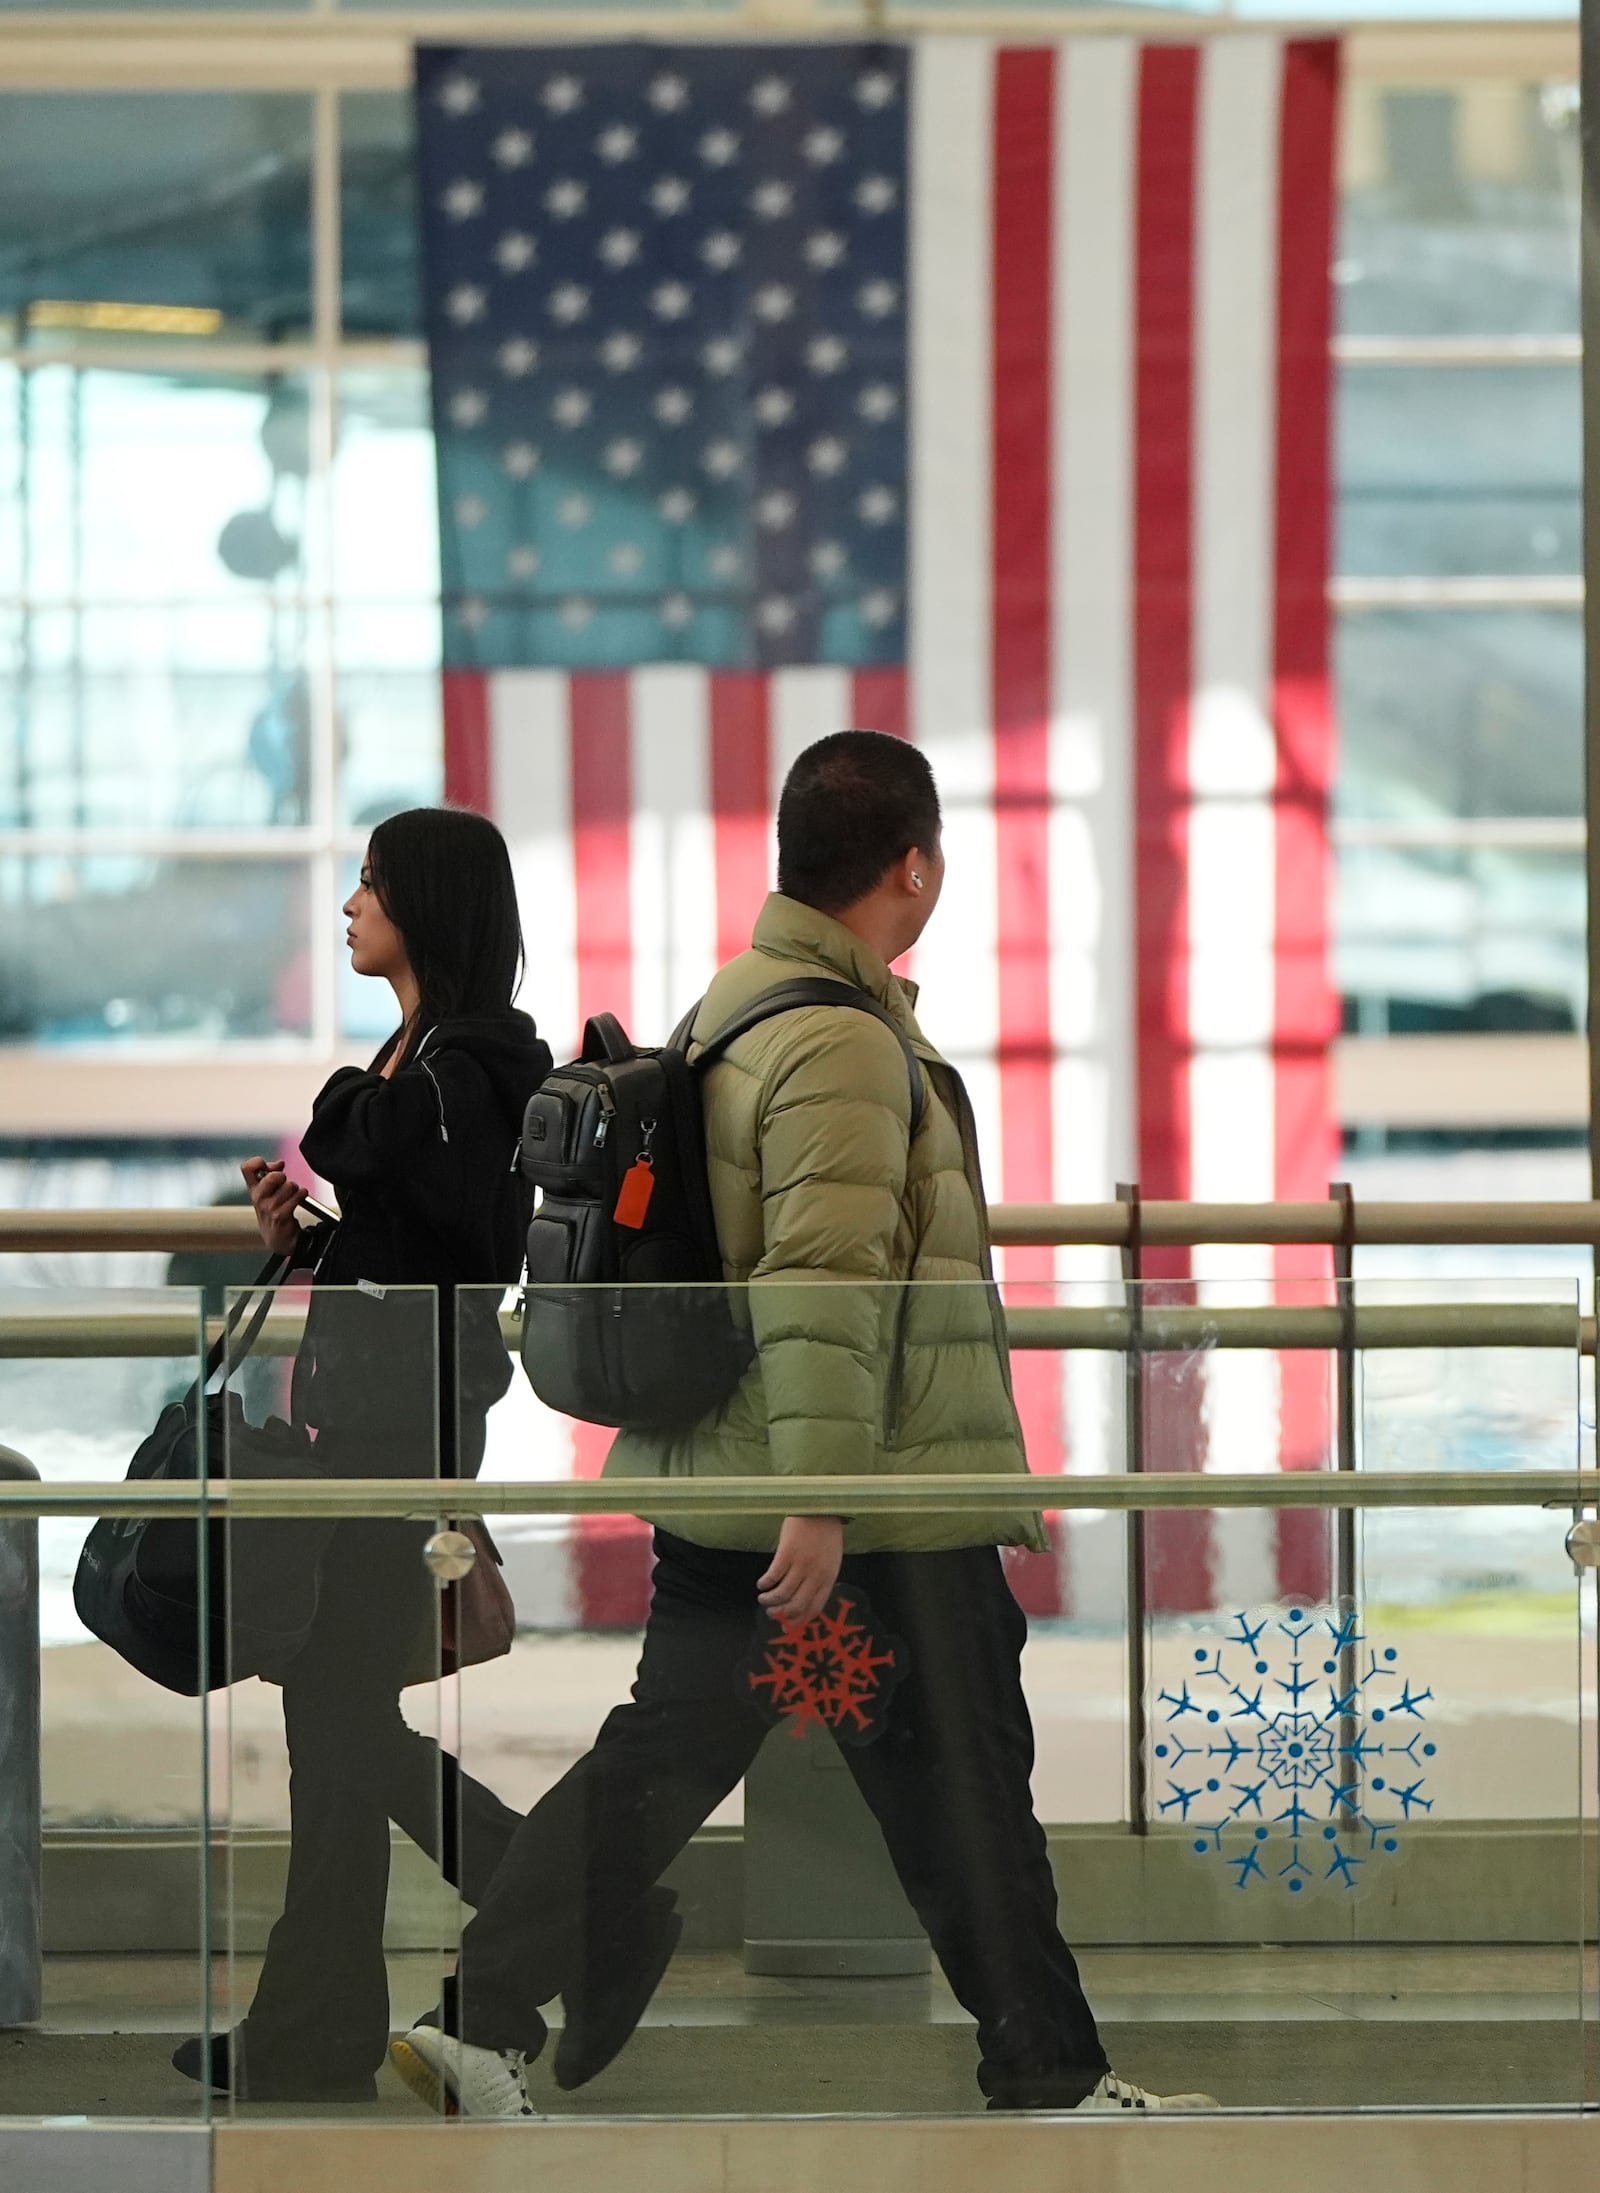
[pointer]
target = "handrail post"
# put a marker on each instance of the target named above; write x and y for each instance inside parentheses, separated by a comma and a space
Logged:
(1589, 320)
(1589, 269)
(1133, 1461)
(1344, 1575)
(21, 1860)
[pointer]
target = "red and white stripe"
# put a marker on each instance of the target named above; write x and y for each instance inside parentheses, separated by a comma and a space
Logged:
(1118, 666)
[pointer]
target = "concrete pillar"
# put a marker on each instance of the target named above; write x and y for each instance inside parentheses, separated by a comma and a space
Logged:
(20, 1863)
(820, 1896)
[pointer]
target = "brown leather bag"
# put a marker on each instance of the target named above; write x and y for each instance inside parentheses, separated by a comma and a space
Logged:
(477, 1620)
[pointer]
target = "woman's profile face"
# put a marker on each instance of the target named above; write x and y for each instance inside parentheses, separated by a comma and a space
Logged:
(376, 946)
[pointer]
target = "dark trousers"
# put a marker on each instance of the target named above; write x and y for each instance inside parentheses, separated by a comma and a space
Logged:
(323, 2001)
(947, 1779)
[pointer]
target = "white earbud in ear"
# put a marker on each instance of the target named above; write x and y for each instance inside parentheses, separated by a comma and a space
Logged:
(917, 880)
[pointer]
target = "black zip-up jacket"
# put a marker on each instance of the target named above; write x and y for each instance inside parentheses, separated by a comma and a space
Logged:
(421, 1166)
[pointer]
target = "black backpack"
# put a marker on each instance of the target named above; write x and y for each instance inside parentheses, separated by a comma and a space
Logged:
(626, 1319)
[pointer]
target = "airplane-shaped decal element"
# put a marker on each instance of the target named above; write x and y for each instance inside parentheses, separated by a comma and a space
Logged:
(1293, 1750)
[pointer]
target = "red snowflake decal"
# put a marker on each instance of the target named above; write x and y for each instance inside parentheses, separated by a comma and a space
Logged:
(832, 1671)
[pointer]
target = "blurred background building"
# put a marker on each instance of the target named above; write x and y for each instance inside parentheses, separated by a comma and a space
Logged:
(219, 582)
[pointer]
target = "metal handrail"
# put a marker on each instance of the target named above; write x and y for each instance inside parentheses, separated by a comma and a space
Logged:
(1014, 1225)
(1164, 1329)
(1312, 1225)
(223, 1498)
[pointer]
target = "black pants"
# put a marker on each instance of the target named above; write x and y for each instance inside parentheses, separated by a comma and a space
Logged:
(322, 2005)
(947, 1779)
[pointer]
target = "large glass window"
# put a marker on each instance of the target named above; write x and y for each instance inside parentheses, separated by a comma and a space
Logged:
(1458, 714)
(219, 550)
(124, 945)
(1460, 644)
(379, 253)
(1460, 210)
(1455, 469)
(218, 559)
(178, 216)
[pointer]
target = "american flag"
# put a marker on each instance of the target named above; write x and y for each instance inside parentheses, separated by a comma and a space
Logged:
(976, 393)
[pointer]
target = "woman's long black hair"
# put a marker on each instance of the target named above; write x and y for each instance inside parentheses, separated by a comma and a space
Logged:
(443, 877)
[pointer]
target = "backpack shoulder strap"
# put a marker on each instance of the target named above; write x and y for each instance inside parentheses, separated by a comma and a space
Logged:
(788, 997)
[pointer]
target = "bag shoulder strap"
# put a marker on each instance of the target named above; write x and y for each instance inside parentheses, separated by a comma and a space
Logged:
(231, 1346)
(789, 997)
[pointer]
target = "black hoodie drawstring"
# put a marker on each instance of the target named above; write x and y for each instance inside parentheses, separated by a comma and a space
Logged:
(438, 1093)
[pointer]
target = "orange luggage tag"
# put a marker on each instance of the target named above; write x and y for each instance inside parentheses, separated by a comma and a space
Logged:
(638, 1185)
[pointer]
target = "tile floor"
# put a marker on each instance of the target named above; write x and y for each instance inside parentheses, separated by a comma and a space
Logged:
(1263, 2028)
(1263, 1983)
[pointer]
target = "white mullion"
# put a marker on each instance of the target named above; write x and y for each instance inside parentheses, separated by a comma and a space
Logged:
(1456, 350)
(1500, 833)
(166, 357)
(1565, 591)
(322, 673)
(201, 356)
(287, 843)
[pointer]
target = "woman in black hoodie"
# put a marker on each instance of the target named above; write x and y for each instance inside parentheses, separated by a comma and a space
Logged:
(419, 1152)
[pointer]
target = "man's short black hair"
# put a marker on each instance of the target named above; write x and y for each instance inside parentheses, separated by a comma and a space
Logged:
(852, 805)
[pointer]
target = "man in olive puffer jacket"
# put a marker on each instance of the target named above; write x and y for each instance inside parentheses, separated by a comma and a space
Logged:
(815, 1175)
(842, 1220)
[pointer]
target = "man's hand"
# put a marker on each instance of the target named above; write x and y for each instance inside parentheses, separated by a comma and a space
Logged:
(804, 1569)
(276, 1199)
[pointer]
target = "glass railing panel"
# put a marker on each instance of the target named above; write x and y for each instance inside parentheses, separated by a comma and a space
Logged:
(1364, 1784)
(103, 1889)
(1432, 1662)
(1190, 1986)
(719, 1872)
(579, 1589)
(1484, 1608)
(799, 1977)
(335, 1820)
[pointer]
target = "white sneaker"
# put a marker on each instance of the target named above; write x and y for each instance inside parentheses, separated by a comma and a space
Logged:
(459, 2080)
(1114, 2093)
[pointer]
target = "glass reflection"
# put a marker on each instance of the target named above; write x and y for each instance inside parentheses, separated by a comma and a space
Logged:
(175, 214)
(1472, 469)
(112, 947)
(1460, 712)
(378, 207)
(155, 486)
(1460, 210)
(1450, 939)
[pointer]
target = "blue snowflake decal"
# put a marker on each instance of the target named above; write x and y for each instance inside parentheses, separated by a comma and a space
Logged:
(1295, 1750)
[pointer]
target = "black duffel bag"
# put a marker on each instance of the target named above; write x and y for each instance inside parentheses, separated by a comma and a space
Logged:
(141, 1587)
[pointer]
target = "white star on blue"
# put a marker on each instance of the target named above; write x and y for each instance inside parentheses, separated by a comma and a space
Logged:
(667, 309)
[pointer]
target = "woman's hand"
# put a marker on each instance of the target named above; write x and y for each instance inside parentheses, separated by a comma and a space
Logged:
(275, 1199)
(804, 1569)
